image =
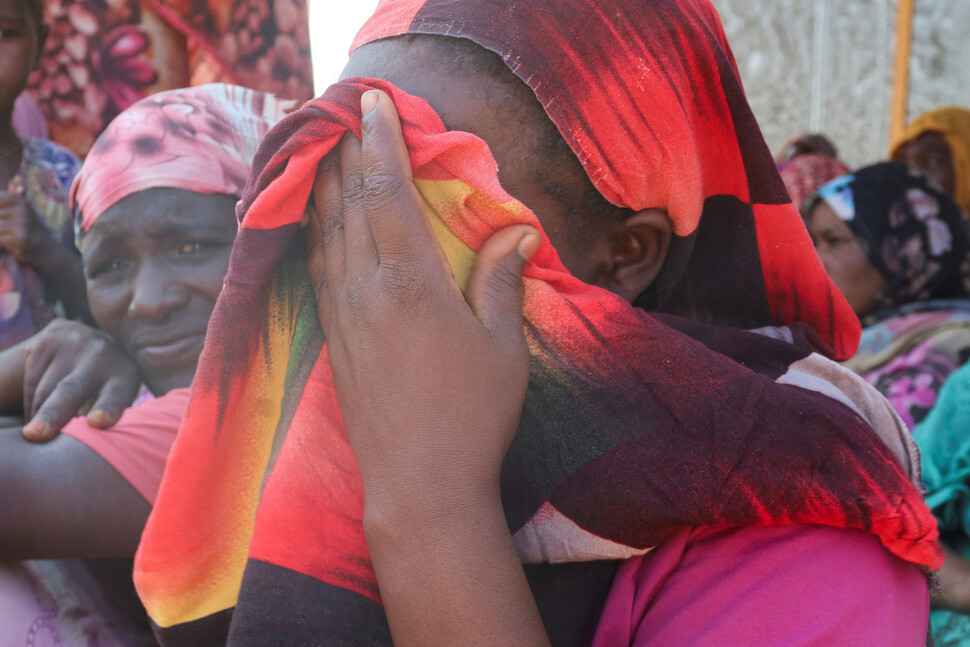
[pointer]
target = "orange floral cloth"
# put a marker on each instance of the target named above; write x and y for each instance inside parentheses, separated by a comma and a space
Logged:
(101, 57)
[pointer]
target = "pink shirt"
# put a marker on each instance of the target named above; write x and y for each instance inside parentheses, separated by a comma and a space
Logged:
(138, 446)
(772, 587)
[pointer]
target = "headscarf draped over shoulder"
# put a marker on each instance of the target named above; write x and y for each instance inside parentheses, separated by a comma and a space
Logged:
(648, 97)
(954, 124)
(200, 139)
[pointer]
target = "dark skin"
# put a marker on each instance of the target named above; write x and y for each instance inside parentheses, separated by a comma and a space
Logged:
(21, 233)
(433, 516)
(931, 154)
(155, 262)
(844, 259)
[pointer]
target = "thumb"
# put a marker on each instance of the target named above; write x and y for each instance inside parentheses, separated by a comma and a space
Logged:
(495, 286)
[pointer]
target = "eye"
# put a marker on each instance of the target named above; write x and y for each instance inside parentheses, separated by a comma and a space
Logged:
(834, 242)
(109, 267)
(189, 247)
(9, 32)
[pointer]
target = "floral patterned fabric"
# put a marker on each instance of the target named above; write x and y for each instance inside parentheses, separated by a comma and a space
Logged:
(200, 139)
(911, 353)
(45, 175)
(102, 57)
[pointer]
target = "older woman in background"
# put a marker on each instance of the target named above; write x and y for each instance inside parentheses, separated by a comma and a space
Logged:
(154, 206)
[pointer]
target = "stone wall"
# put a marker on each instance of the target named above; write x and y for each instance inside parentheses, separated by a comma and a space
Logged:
(827, 65)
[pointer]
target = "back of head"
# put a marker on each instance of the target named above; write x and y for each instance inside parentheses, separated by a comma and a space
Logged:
(913, 233)
(200, 139)
(648, 98)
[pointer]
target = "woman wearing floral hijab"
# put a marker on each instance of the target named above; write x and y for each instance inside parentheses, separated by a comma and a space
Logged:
(897, 246)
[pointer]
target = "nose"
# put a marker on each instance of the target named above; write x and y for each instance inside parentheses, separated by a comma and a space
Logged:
(156, 292)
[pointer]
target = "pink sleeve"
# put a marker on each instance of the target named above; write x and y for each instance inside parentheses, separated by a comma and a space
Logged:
(138, 446)
(791, 586)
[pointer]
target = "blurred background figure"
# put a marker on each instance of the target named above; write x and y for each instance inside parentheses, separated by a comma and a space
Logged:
(28, 120)
(40, 270)
(938, 143)
(102, 57)
(804, 174)
(805, 144)
(898, 248)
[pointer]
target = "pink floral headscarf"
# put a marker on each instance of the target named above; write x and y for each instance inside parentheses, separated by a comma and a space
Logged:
(201, 139)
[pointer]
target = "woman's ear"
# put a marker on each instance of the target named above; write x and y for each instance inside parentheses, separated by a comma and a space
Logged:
(638, 249)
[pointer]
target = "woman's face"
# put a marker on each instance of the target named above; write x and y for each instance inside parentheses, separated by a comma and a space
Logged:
(931, 154)
(845, 260)
(20, 43)
(155, 263)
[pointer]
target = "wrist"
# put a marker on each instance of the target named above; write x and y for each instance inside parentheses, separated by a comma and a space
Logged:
(428, 512)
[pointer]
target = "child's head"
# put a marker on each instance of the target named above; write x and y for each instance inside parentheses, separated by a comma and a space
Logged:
(22, 36)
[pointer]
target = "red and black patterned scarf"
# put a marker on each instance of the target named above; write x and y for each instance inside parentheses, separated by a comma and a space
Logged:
(635, 425)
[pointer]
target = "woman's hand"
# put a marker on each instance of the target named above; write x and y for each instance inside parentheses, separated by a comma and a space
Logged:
(63, 370)
(431, 386)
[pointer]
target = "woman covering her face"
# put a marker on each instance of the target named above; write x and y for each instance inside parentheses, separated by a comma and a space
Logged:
(899, 249)
(154, 213)
(383, 448)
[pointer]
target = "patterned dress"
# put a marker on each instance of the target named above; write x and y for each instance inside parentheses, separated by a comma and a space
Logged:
(44, 181)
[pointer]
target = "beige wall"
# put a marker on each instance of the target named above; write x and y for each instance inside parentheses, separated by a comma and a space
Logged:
(827, 65)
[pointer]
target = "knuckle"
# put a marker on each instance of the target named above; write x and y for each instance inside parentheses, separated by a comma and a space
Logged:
(332, 228)
(70, 389)
(353, 190)
(381, 187)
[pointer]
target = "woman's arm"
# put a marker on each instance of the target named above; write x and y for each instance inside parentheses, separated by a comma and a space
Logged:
(955, 575)
(431, 387)
(62, 500)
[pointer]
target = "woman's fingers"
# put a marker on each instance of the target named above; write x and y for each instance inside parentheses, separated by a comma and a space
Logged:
(37, 360)
(395, 209)
(360, 250)
(314, 240)
(495, 285)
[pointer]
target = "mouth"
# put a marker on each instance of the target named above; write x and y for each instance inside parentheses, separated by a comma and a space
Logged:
(175, 351)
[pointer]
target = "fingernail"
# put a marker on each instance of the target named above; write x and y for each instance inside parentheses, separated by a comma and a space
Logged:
(368, 101)
(97, 418)
(35, 428)
(528, 245)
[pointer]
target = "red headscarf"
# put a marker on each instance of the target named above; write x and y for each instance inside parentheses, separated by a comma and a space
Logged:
(648, 96)
(804, 174)
(201, 139)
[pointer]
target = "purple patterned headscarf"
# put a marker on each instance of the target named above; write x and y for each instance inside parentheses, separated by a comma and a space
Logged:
(912, 232)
